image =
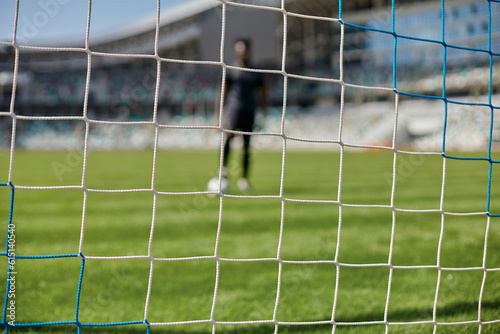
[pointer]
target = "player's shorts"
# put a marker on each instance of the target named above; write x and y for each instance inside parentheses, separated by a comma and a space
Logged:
(239, 120)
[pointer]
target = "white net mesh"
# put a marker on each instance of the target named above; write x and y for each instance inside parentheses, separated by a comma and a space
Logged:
(408, 112)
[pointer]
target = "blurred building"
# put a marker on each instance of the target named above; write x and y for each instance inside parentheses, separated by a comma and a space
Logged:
(408, 54)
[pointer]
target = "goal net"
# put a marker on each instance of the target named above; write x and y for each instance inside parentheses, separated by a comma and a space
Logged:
(375, 205)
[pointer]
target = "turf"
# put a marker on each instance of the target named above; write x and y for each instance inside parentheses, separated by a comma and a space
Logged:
(117, 224)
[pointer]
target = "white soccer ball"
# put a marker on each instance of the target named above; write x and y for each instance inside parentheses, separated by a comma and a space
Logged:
(213, 184)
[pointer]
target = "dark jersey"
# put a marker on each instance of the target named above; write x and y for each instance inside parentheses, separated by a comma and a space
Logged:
(241, 100)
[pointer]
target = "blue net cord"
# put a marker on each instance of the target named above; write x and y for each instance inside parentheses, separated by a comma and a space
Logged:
(443, 97)
(11, 255)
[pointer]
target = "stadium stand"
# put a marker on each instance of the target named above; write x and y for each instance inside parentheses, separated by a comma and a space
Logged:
(53, 82)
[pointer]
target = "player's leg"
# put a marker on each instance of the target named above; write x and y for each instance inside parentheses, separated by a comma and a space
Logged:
(213, 184)
(243, 182)
(232, 118)
(227, 150)
(246, 155)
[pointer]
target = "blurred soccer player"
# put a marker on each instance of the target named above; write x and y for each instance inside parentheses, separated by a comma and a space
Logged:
(243, 92)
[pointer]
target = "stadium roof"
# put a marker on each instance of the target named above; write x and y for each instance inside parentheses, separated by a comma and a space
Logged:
(148, 23)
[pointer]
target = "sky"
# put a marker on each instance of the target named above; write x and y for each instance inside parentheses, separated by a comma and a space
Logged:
(53, 22)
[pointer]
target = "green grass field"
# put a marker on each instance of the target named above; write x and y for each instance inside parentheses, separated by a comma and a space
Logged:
(48, 222)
